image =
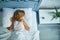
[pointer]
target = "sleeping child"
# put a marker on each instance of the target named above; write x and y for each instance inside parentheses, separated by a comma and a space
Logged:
(18, 26)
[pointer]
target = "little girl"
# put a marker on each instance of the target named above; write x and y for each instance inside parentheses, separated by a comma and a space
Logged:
(18, 26)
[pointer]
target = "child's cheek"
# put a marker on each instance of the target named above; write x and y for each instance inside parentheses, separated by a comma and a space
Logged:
(22, 18)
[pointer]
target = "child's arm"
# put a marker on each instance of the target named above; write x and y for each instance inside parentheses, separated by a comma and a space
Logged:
(26, 26)
(10, 27)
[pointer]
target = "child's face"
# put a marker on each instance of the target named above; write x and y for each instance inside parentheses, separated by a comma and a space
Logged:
(22, 16)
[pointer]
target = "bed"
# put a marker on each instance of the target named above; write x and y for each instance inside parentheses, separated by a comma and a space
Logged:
(7, 12)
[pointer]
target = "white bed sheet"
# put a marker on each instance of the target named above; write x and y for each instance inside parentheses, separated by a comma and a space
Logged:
(30, 19)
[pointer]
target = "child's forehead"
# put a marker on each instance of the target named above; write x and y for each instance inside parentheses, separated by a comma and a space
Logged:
(21, 13)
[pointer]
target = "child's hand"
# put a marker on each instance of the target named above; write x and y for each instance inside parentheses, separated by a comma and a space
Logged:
(28, 28)
(9, 28)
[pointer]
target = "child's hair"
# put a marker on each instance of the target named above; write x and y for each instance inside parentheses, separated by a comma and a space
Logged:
(16, 15)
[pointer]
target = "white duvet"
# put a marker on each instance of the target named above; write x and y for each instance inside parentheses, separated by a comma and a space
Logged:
(6, 34)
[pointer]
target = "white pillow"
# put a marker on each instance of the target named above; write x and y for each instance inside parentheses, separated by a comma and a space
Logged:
(30, 17)
(8, 12)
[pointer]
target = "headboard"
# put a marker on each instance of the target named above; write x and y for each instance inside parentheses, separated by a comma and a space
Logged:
(34, 4)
